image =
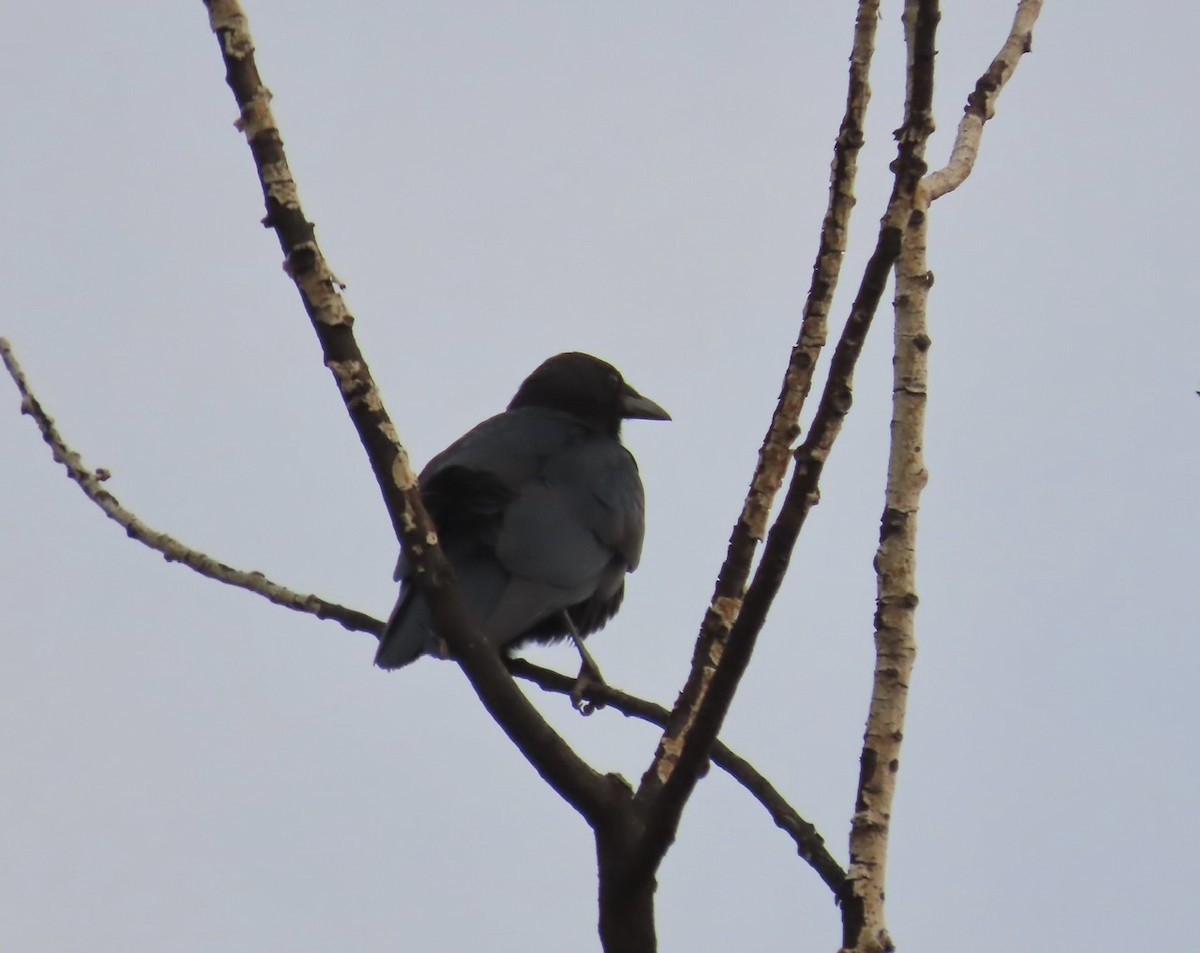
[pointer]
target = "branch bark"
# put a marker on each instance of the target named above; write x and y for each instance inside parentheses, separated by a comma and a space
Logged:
(981, 103)
(864, 909)
(717, 665)
(594, 795)
(863, 925)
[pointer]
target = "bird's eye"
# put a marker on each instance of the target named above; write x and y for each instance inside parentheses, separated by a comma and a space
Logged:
(614, 378)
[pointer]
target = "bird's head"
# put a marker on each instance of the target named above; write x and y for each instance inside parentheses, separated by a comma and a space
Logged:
(588, 388)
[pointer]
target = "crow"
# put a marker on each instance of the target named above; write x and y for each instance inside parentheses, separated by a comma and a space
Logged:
(540, 510)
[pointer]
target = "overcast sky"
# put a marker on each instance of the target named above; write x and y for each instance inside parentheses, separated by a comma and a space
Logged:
(187, 768)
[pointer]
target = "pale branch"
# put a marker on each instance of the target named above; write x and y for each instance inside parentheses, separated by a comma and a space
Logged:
(91, 483)
(773, 460)
(896, 601)
(810, 845)
(598, 797)
(864, 927)
(864, 916)
(981, 103)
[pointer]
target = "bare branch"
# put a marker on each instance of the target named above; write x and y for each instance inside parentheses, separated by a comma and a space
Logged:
(320, 290)
(685, 742)
(810, 845)
(675, 748)
(981, 104)
(864, 917)
(895, 566)
(91, 482)
(593, 795)
(835, 229)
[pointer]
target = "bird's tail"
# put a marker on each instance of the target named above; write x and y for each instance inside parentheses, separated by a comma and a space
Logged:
(408, 633)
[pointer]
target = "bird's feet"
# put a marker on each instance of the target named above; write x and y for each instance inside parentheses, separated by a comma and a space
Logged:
(586, 684)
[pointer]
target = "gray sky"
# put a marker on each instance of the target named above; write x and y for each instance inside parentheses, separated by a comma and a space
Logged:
(188, 768)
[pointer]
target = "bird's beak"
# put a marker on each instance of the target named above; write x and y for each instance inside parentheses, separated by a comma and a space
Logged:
(636, 407)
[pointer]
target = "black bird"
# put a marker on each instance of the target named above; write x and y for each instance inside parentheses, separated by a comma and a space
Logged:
(540, 511)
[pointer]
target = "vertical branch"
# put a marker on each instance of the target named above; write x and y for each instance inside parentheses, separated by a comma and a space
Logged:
(896, 600)
(864, 924)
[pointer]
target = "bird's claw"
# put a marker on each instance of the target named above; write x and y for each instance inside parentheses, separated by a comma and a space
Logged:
(588, 681)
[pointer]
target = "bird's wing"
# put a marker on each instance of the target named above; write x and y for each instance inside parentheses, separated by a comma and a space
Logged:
(466, 487)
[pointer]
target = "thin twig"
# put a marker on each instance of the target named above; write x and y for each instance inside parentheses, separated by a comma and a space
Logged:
(91, 482)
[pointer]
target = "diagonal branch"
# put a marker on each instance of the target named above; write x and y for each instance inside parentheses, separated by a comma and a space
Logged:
(725, 649)
(91, 482)
(772, 464)
(593, 795)
(776, 451)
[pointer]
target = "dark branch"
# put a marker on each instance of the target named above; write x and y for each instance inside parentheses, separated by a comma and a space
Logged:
(810, 845)
(694, 738)
(593, 795)
(718, 663)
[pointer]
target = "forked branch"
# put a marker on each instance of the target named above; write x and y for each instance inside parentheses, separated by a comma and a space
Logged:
(697, 716)
(864, 921)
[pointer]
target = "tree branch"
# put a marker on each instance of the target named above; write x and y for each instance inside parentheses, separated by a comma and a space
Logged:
(593, 795)
(773, 458)
(776, 450)
(172, 550)
(727, 643)
(981, 103)
(863, 927)
(864, 910)
(810, 845)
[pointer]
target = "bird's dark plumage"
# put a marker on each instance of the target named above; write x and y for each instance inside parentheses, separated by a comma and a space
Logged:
(539, 509)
